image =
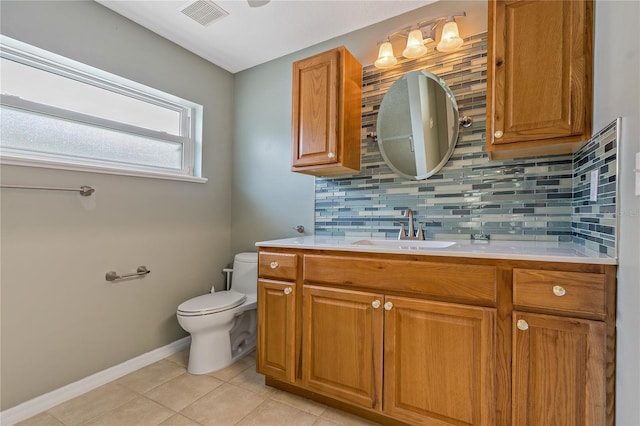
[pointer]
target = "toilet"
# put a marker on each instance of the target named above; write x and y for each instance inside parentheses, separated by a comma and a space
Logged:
(223, 323)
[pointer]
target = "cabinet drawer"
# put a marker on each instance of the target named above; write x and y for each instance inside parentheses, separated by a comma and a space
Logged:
(475, 284)
(570, 292)
(282, 266)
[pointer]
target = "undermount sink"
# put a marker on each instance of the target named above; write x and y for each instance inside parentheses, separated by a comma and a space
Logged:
(406, 244)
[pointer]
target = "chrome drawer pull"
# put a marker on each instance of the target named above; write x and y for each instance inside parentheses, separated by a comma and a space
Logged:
(522, 325)
(559, 290)
(288, 290)
(274, 265)
(375, 304)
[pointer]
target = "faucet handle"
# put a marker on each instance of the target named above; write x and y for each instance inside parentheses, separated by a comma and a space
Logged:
(420, 235)
(402, 234)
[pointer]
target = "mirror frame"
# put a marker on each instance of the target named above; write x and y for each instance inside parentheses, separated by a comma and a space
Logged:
(452, 141)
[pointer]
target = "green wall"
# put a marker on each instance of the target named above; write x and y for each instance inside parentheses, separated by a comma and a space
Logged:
(61, 321)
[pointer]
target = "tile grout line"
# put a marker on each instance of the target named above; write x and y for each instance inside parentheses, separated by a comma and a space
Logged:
(251, 385)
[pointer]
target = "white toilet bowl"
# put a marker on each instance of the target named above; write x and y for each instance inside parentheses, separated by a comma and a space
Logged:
(223, 324)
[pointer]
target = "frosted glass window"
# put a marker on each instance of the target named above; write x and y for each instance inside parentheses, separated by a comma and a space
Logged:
(57, 110)
(37, 135)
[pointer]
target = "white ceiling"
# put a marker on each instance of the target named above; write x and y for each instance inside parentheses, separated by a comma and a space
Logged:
(250, 36)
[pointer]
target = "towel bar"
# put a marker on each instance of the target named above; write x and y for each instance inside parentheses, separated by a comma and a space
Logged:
(112, 275)
(84, 190)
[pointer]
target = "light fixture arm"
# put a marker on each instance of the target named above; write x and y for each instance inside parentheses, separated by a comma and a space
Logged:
(429, 31)
(451, 17)
(405, 30)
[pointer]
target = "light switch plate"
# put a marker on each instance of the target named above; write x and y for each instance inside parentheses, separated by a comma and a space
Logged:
(593, 194)
(637, 170)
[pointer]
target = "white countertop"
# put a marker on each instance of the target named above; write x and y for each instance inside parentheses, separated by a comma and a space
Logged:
(497, 249)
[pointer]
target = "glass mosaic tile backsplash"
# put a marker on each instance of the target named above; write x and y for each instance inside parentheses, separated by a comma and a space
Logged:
(594, 223)
(538, 198)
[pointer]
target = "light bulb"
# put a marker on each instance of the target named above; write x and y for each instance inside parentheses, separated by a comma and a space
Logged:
(415, 45)
(385, 56)
(450, 40)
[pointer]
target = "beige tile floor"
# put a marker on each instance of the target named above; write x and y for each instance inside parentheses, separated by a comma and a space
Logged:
(164, 394)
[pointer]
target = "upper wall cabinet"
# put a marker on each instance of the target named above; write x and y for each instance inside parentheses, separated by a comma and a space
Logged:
(539, 80)
(327, 105)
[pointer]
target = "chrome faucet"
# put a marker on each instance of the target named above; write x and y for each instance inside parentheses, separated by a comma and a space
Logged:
(410, 234)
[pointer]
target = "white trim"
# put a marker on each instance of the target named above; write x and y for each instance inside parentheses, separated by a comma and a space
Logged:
(50, 164)
(51, 399)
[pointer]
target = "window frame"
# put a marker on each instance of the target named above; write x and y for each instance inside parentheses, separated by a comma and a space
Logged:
(190, 113)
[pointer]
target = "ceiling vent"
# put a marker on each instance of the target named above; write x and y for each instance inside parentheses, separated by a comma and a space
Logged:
(204, 12)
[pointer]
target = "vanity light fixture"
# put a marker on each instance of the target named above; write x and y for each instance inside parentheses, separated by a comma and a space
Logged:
(450, 40)
(385, 56)
(415, 45)
(417, 36)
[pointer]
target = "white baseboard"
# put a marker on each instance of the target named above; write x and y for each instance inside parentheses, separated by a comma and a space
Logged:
(49, 400)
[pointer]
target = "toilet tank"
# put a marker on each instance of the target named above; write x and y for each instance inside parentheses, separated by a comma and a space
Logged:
(245, 273)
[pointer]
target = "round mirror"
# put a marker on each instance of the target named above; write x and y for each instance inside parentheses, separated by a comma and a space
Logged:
(417, 125)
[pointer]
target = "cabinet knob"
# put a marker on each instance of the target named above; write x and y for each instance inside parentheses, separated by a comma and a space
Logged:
(559, 290)
(522, 325)
(288, 290)
(375, 304)
(274, 265)
(498, 134)
(388, 306)
(331, 155)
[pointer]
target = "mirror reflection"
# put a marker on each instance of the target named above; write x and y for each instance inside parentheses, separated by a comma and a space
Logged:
(417, 125)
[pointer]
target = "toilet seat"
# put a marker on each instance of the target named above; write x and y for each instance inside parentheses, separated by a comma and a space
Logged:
(211, 303)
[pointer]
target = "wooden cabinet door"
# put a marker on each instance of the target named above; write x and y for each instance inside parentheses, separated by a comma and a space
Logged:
(276, 330)
(327, 114)
(539, 76)
(342, 344)
(558, 374)
(315, 109)
(439, 362)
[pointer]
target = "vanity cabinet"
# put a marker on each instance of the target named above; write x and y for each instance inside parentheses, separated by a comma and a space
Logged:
(558, 374)
(439, 362)
(560, 360)
(277, 292)
(342, 344)
(425, 345)
(326, 114)
(412, 341)
(539, 77)
(438, 340)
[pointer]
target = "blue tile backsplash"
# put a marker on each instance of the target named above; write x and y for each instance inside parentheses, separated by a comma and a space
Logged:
(594, 223)
(538, 198)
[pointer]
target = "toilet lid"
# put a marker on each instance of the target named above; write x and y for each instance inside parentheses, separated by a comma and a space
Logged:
(213, 302)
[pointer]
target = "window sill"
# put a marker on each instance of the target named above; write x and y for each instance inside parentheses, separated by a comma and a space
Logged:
(48, 164)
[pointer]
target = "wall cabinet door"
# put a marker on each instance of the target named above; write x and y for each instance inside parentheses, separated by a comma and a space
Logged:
(276, 330)
(327, 98)
(539, 77)
(342, 344)
(558, 374)
(439, 362)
